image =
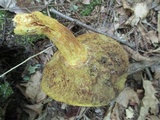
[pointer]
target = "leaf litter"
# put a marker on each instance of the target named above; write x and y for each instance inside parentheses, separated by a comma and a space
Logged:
(124, 22)
(149, 102)
(21, 6)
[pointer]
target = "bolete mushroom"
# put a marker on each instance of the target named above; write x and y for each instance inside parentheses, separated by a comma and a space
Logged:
(88, 70)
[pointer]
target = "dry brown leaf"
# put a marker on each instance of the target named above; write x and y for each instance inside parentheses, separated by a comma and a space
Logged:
(72, 118)
(33, 110)
(152, 117)
(125, 5)
(86, 2)
(108, 116)
(156, 50)
(152, 36)
(10, 5)
(126, 96)
(149, 101)
(36, 107)
(40, 96)
(68, 1)
(31, 113)
(33, 88)
(113, 113)
(102, 9)
(143, 113)
(21, 6)
(156, 70)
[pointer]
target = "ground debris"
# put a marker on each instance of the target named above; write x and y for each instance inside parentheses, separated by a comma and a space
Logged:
(118, 19)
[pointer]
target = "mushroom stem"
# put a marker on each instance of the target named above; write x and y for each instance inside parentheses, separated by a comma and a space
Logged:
(37, 23)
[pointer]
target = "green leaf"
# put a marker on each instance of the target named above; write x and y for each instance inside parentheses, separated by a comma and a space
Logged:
(32, 69)
(5, 90)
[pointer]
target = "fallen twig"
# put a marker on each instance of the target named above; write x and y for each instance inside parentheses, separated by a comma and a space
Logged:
(89, 27)
(135, 54)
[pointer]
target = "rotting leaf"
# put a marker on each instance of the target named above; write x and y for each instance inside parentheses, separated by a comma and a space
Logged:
(156, 70)
(152, 117)
(36, 107)
(149, 101)
(156, 50)
(33, 89)
(113, 113)
(21, 6)
(126, 96)
(40, 96)
(32, 114)
(33, 86)
(10, 5)
(153, 37)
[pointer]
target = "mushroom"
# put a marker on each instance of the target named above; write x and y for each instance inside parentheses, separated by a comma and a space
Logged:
(88, 70)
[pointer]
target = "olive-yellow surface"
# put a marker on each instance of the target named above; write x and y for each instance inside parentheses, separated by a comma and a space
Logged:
(88, 70)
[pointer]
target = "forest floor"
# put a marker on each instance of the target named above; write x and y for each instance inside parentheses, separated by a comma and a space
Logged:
(134, 24)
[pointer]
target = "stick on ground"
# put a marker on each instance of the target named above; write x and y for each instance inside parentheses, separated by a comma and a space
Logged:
(89, 27)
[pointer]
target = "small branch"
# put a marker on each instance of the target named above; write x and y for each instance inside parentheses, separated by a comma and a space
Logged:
(24, 62)
(89, 27)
